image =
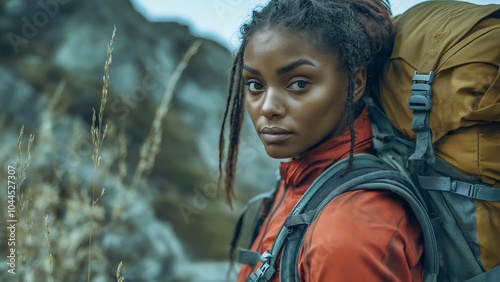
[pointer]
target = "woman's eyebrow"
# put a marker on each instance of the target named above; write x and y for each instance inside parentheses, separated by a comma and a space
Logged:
(252, 70)
(284, 69)
(293, 65)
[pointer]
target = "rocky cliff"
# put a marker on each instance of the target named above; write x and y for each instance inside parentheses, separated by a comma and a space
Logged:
(171, 225)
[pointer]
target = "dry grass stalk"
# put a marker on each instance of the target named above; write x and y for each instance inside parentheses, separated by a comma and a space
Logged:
(116, 212)
(122, 162)
(151, 146)
(29, 224)
(27, 161)
(102, 194)
(18, 164)
(29, 221)
(54, 100)
(47, 236)
(21, 171)
(19, 206)
(118, 270)
(46, 124)
(97, 138)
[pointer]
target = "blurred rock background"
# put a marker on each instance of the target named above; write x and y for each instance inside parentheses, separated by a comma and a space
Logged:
(171, 226)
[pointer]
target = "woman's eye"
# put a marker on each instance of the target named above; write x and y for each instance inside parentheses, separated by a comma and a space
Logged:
(298, 85)
(254, 86)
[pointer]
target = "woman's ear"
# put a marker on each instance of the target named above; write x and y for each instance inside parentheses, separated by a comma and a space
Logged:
(359, 83)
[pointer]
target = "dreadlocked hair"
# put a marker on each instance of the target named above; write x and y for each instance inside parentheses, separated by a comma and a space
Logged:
(358, 31)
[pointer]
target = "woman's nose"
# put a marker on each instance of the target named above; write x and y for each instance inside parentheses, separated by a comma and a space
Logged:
(272, 106)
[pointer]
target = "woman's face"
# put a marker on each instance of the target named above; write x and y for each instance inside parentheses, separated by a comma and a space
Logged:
(296, 95)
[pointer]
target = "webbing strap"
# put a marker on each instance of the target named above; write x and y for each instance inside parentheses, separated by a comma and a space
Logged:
(299, 219)
(248, 257)
(470, 190)
(491, 275)
(420, 103)
(239, 224)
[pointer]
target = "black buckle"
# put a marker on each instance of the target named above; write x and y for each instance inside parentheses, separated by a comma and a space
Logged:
(421, 92)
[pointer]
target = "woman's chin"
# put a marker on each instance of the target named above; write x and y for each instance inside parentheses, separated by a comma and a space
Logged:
(278, 153)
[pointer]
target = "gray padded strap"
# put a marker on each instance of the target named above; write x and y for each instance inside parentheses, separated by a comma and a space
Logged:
(470, 190)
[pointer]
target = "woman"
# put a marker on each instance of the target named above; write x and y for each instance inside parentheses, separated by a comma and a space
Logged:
(302, 69)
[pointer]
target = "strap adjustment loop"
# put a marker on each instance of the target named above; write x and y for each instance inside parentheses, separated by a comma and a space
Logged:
(421, 103)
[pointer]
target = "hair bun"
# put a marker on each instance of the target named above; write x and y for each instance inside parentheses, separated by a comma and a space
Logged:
(375, 15)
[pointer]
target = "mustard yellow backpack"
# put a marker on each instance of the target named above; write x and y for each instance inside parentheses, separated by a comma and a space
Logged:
(441, 88)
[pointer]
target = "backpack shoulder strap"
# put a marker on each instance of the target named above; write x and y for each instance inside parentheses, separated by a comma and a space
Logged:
(368, 172)
(246, 256)
(268, 258)
(239, 224)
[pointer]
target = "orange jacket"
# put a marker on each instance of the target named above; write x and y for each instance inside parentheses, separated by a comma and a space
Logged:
(359, 236)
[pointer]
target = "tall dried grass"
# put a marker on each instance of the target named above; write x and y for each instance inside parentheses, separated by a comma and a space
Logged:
(47, 236)
(22, 170)
(24, 243)
(151, 146)
(98, 137)
(67, 254)
(118, 270)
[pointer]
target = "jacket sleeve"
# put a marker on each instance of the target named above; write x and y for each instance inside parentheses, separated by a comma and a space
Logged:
(363, 236)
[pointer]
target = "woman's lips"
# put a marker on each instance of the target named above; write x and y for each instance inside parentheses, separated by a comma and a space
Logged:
(274, 135)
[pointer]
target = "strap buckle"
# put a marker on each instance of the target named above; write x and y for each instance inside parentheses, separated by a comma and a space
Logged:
(265, 271)
(465, 189)
(421, 92)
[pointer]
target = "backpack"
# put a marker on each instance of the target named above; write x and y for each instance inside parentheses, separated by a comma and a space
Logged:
(439, 93)
(441, 87)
